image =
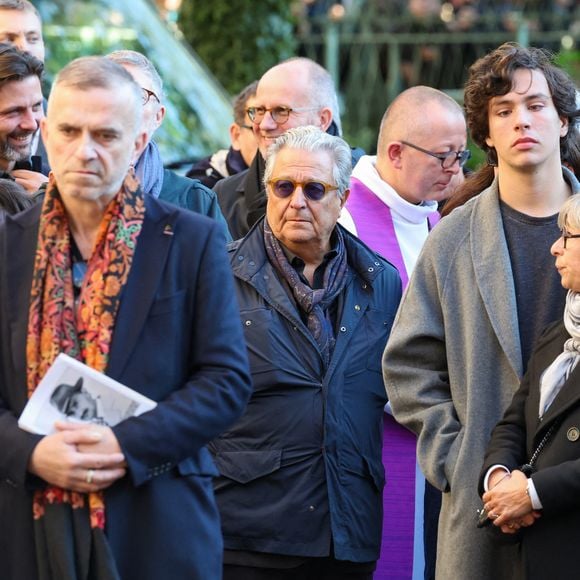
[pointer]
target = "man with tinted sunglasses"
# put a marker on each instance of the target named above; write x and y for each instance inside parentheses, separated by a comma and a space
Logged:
(294, 93)
(392, 207)
(300, 490)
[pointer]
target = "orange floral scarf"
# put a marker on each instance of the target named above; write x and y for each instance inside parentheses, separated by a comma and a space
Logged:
(85, 334)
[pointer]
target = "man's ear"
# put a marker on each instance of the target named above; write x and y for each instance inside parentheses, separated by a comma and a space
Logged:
(139, 146)
(235, 131)
(43, 129)
(394, 149)
(325, 118)
(344, 197)
(564, 128)
(159, 116)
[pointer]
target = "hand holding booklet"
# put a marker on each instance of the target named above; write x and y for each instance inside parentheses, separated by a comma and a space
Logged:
(72, 391)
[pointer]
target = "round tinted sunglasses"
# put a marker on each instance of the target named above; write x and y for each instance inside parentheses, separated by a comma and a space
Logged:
(313, 190)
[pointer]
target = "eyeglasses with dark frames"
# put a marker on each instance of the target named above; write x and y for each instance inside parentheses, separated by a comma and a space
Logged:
(146, 95)
(279, 114)
(313, 190)
(448, 159)
(567, 236)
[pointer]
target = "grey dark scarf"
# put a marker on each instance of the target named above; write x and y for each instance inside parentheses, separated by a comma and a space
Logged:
(554, 377)
(149, 170)
(314, 303)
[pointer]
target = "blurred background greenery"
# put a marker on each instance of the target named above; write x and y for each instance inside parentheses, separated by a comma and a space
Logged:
(207, 51)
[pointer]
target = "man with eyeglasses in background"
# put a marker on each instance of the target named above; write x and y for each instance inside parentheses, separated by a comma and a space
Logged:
(242, 150)
(154, 179)
(294, 93)
(482, 291)
(301, 478)
(392, 207)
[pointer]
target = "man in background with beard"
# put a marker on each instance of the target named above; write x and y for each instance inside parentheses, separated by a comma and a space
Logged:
(20, 113)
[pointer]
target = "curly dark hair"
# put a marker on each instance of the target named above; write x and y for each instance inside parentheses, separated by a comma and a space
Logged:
(492, 76)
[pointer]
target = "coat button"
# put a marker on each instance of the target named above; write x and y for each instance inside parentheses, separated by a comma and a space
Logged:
(356, 307)
(343, 329)
(573, 434)
(371, 269)
(311, 508)
(248, 323)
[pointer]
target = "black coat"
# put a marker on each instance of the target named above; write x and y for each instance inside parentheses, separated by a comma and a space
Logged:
(551, 546)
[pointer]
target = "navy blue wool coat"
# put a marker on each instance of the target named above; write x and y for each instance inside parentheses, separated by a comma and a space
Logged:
(177, 340)
(303, 464)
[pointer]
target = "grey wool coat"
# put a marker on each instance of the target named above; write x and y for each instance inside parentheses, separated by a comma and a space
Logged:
(451, 367)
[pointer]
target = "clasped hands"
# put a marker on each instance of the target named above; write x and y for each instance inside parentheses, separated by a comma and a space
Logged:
(507, 502)
(78, 457)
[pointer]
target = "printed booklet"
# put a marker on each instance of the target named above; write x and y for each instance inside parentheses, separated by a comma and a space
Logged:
(72, 391)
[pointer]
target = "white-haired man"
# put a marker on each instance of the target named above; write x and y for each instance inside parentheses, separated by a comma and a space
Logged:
(300, 490)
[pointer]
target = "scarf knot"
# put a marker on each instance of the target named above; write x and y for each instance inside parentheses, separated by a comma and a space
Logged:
(313, 302)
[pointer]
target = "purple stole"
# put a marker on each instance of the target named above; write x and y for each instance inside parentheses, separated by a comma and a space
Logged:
(374, 224)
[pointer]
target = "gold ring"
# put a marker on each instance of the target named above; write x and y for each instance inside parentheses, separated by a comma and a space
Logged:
(90, 473)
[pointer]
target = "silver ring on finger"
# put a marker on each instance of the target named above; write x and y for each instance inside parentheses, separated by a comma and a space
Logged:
(90, 474)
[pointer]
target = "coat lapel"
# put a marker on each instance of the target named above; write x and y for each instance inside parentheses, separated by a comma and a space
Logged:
(493, 274)
(569, 395)
(138, 295)
(148, 266)
(21, 237)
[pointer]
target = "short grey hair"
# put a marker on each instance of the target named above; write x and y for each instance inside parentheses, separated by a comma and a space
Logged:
(569, 216)
(98, 72)
(20, 5)
(311, 140)
(138, 60)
